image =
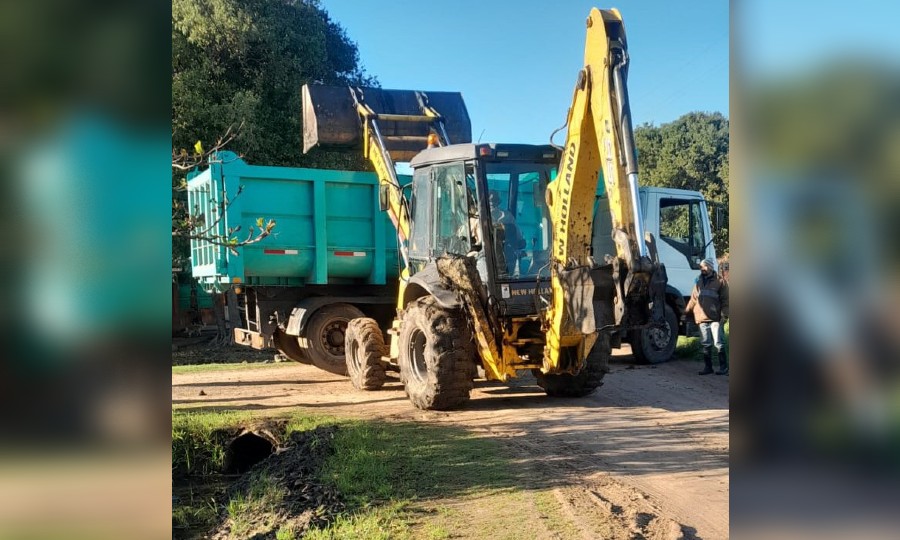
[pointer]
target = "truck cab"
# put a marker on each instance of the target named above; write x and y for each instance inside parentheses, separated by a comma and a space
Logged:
(680, 221)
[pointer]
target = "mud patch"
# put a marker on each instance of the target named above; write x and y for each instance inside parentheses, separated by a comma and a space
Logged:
(280, 492)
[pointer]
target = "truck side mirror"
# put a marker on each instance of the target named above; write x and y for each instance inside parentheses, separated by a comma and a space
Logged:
(721, 219)
(384, 197)
(718, 214)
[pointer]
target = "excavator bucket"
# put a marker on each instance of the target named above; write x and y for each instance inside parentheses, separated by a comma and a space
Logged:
(331, 119)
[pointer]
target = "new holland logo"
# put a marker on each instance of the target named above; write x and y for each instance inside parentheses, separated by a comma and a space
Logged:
(564, 208)
(529, 291)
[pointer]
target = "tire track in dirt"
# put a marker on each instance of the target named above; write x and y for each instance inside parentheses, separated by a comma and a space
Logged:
(600, 506)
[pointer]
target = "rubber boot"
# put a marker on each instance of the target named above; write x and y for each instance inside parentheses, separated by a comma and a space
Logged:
(707, 360)
(723, 364)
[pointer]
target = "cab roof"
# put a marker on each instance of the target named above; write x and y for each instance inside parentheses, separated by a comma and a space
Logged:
(486, 151)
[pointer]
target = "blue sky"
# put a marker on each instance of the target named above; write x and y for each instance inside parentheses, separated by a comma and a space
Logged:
(516, 62)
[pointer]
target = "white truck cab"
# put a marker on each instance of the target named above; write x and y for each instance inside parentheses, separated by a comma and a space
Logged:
(680, 221)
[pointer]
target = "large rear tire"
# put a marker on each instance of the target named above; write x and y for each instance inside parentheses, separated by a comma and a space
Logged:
(436, 357)
(656, 344)
(324, 337)
(364, 347)
(596, 365)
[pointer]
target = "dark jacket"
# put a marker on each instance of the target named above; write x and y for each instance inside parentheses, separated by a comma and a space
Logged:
(709, 299)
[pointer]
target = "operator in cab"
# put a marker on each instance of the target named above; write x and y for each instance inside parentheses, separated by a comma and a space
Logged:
(507, 236)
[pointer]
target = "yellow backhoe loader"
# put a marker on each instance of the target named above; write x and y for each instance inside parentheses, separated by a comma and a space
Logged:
(499, 270)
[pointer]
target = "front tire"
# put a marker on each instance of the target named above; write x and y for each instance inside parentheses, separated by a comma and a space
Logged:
(324, 337)
(596, 365)
(436, 356)
(364, 347)
(656, 345)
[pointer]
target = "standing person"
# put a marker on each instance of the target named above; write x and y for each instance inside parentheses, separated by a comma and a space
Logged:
(709, 304)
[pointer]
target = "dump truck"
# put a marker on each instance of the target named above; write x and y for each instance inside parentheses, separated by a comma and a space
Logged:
(333, 255)
(499, 267)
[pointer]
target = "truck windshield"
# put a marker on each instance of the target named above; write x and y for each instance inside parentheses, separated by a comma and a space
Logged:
(519, 217)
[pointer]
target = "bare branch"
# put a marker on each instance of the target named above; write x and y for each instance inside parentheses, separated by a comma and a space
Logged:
(183, 161)
(232, 243)
(194, 224)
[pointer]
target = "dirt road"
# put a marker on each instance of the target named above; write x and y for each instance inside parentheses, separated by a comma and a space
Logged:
(650, 447)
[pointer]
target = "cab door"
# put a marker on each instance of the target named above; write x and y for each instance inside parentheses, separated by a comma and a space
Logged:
(684, 238)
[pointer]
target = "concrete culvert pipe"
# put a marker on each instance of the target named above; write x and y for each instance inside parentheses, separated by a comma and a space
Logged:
(248, 449)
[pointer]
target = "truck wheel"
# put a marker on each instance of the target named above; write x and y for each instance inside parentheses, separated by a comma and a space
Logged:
(324, 336)
(596, 365)
(289, 347)
(656, 344)
(436, 356)
(364, 347)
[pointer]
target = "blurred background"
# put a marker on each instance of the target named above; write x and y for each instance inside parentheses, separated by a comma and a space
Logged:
(816, 158)
(84, 142)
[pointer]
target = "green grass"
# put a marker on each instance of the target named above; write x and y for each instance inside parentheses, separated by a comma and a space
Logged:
(285, 533)
(194, 513)
(387, 473)
(550, 511)
(258, 508)
(384, 522)
(384, 470)
(199, 368)
(196, 447)
(381, 461)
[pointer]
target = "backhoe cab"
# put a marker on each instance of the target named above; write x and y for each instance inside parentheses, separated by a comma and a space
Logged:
(498, 269)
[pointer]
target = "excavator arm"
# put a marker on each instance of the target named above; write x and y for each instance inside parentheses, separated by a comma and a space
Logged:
(599, 138)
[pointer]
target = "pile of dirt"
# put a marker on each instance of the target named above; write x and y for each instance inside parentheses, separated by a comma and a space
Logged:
(296, 500)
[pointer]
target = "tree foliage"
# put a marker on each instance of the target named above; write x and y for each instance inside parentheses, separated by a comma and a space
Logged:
(244, 62)
(688, 153)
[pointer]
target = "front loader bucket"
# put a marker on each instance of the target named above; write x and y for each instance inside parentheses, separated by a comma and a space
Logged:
(330, 118)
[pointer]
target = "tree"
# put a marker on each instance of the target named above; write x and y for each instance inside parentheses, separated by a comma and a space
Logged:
(688, 153)
(237, 70)
(244, 62)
